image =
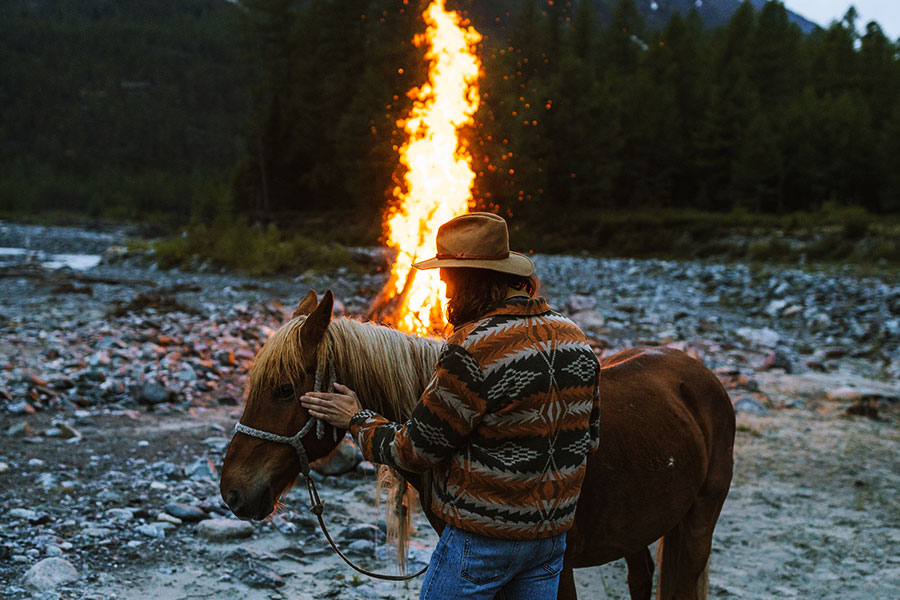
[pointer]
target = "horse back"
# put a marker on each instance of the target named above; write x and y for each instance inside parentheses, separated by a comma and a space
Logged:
(666, 437)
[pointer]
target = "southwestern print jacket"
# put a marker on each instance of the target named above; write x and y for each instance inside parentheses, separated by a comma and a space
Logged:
(506, 423)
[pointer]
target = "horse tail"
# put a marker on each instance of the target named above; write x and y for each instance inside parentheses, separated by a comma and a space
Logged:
(664, 566)
(397, 510)
(667, 564)
(703, 583)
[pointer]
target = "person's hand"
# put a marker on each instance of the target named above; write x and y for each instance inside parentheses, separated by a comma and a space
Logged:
(334, 409)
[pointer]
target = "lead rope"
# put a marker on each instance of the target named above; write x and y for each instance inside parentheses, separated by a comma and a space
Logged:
(317, 507)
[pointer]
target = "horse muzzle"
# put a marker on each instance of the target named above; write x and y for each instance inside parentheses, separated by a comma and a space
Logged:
(254, 504)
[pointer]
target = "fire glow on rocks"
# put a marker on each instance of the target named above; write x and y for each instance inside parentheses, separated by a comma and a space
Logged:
(439, 177)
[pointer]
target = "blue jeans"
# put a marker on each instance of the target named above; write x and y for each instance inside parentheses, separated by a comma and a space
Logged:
(471, 566)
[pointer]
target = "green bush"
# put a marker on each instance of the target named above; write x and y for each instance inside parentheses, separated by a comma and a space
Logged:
(237, 245)
(770, 250)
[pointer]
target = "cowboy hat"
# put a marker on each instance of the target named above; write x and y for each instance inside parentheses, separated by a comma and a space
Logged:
(477, 240)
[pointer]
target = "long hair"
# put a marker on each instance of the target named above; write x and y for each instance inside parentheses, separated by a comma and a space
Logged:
(477, 291)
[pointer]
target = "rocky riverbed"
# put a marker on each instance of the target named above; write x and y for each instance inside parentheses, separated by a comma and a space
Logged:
(120, 384)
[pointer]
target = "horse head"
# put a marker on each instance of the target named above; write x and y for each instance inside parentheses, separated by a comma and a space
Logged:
(257, 472)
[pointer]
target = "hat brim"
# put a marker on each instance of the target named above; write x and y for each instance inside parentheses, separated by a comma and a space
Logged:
(514, 264)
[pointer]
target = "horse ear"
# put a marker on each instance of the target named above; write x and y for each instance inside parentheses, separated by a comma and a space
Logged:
(313, 330)
(307, 305)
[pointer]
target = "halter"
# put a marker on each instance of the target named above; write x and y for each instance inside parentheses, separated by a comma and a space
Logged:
(295, 441)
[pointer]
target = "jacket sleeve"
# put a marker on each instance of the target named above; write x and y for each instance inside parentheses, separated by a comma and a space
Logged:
(594, 422)
(449, 409)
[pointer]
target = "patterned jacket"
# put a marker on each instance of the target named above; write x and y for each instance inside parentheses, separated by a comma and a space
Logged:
(506, 423)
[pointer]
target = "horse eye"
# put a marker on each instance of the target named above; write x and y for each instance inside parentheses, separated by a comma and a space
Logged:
(284, 392)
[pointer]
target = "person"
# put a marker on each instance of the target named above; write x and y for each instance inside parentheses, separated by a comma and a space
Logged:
(506, 423)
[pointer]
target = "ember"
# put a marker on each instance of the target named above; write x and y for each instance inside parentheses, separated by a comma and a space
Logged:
(437, 184)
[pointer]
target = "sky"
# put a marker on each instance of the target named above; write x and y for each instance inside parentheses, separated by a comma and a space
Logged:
(823, 12)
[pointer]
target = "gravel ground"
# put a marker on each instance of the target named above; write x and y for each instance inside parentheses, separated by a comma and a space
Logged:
(120, 384)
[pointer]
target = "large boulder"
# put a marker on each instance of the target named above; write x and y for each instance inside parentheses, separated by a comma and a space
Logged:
(49, 573)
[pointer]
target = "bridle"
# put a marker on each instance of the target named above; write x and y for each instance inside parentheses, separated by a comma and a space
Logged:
(295, 441)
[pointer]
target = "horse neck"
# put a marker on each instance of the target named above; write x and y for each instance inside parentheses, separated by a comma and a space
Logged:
(386, 368)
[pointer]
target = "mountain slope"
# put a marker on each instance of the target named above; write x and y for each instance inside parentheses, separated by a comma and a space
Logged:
(656, 13)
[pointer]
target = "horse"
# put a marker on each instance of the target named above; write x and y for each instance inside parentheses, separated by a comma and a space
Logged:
(662, 472)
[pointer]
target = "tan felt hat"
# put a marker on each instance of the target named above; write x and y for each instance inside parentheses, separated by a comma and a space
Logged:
(477, 240)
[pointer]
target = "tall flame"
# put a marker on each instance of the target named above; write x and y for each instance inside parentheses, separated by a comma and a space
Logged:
(439, 176)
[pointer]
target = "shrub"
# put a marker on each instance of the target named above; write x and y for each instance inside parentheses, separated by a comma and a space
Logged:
(235, 244)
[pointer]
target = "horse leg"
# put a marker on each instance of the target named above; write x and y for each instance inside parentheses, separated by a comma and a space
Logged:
(640, 574)
(683, 553)
(566, 590)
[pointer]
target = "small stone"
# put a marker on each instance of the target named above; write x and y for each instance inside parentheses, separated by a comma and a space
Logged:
(23, 513)
(845, 394)
(764, 337)
(47, 480)
(151, 531)
(833, 352)
(187, 374)
(775, 307)
(201, 468)
(579, 302)
(152, 393)
(52, 550)
(167, 518)
(749, 405)
(4, 467)
(778, 360)
(109, 497)
(258, 575)
(186, 512)
(22, 428)
(588, 320)
(158, 486)
(362, 531)
(791, 311)
(218, 530)
(817, 365)
(97, 532)
(218, 444)
(19, 408)
(49, 573)
(361, 547)
(819, 322)
(121, 515)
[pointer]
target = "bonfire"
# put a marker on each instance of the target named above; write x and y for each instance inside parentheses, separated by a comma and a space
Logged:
(437, 178)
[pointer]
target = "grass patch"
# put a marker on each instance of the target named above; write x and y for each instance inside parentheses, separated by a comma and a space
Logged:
(257, 250)
(835, 235)
(743, 428)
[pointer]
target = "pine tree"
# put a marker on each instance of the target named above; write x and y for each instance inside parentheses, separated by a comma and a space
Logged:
(732, 105)
(622, 42)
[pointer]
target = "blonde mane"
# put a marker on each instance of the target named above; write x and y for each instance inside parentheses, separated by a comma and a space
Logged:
(386, 368)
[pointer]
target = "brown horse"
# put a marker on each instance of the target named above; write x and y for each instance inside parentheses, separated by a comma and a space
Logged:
(663, 469)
